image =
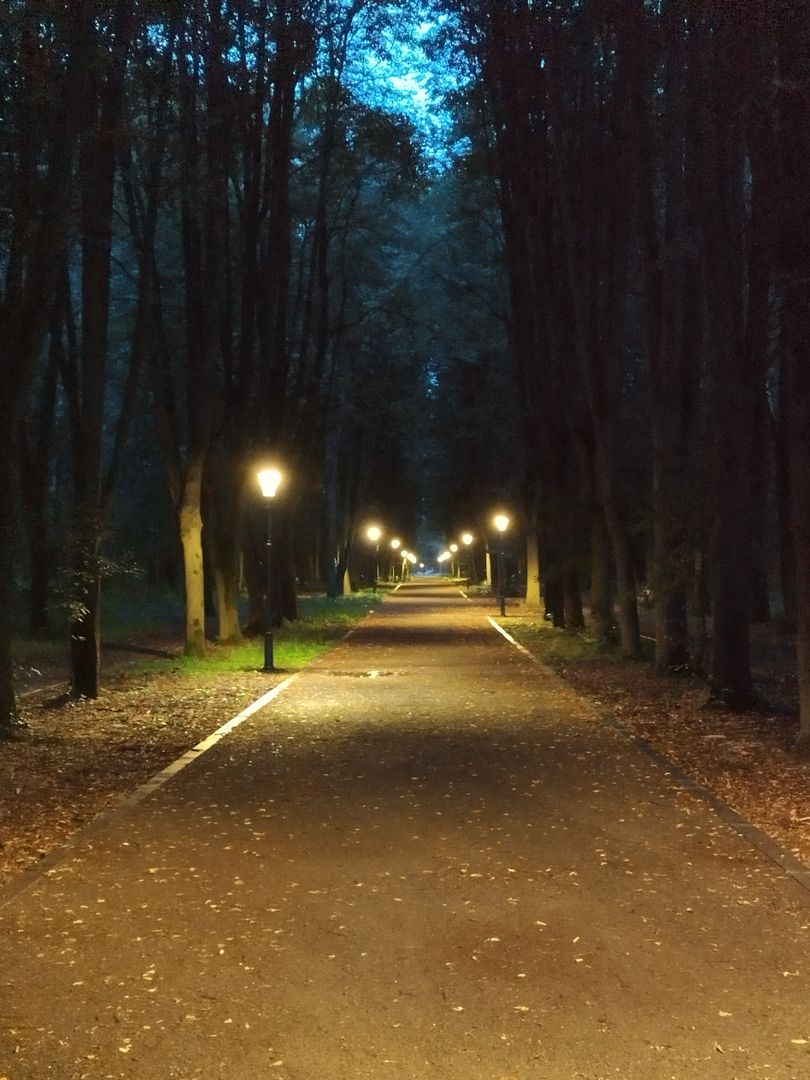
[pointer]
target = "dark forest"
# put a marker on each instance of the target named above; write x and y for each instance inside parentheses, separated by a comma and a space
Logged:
(579, 288)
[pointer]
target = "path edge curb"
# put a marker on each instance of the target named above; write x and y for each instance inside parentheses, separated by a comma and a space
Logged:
(765, 844)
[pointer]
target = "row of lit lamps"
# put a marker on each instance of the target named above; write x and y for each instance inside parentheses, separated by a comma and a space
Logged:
(374, 533)
(501, 523)
(447, 555)
(271, 479)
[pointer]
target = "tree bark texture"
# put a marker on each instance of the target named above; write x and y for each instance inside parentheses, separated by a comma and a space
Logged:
(793, 256)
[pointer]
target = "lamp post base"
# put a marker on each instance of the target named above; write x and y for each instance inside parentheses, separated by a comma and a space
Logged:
(268, 652)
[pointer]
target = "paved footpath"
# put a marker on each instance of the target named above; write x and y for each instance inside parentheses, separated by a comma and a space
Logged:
(426, 859)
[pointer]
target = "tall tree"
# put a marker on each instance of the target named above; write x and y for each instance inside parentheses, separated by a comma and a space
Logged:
(41, 103)
(793, 255)
(102, 54)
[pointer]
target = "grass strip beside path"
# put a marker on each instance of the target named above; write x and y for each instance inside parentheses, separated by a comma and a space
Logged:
(323, 621)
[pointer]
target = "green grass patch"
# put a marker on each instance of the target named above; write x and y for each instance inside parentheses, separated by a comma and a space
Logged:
(559, 648)
(322, 622)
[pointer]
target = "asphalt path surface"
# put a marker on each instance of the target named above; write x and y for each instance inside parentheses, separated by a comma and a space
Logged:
(425, 859)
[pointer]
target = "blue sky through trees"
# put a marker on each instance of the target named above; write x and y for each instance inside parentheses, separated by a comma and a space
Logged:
(397, 70)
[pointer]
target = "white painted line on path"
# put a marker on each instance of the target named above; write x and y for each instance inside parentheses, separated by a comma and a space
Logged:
(48, 864)
(254, 707)
(755, 836)
(511, 640)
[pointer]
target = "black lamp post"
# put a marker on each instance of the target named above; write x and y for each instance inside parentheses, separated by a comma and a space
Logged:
(269, 481)
(467, 539)
(501, 523)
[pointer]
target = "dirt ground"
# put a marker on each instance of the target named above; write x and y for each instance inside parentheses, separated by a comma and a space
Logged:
(77, 758)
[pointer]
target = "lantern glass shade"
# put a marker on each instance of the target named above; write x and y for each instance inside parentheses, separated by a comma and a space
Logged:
(269, 482)
(374, 532)
(501, 522)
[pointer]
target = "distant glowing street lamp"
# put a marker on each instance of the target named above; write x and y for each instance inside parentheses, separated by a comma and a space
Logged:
(455, 571)
(501, 523)
(443, 558)
(270, 480)
(374, 532)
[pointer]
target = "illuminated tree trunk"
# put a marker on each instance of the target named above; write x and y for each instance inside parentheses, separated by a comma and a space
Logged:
(190, 520)
(226, 586)
(533, 589)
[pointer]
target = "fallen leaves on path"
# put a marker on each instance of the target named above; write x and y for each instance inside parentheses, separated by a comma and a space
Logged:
(79, 757)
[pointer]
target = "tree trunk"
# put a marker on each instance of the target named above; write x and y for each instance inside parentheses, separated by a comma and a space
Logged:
(793, 255)
(787, 557)
(35, 500)
(9, 712)
(601, 605)
(626, 599)
(533, 582)
(39, 228)
(36, 450)
(226, 591)
(798, 351)
(190, 519)
(85, 632)
(224, 503)
(554, 602)
(99, 131)
(732, 392)
(572, 599)
(252, 555)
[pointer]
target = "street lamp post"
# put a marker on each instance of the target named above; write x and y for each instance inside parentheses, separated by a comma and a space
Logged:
(467, 539)
(501, 523)
(269, 482)
(395, 546)
(374, 532)
(455, 572)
